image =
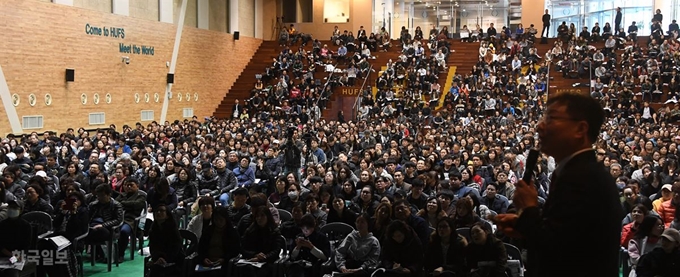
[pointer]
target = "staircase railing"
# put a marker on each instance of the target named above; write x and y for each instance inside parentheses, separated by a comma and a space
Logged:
(323, 91)
(360, 96)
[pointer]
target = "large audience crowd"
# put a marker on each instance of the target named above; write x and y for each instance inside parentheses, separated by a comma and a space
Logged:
(416, 185)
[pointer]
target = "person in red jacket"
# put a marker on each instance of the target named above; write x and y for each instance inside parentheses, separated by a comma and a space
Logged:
(629, 230)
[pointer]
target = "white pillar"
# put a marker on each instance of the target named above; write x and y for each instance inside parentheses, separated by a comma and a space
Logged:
(203, 7)
(173, 61)
(63, 2)
(121, 7)
(259, 10)
(233, 15)
(10, 110)
(165, 11)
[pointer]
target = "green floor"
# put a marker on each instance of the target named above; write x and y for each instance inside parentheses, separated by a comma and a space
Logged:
(128, 268)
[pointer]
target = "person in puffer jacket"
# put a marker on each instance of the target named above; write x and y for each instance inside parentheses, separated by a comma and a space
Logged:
(667, 210)
(359, 253)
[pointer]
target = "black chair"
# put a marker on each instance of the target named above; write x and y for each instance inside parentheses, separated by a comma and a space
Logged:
(285, 215)
(137, 235)
(624, 259)
(514, 254)
(41, 227)
(111, 242)
(190, 248)
(41, 223)
(78, 251)
(465, 232)
(279, 265)
(336, 232)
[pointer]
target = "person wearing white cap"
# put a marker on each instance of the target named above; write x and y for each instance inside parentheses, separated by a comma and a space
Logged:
(666, 194)
(663, 261)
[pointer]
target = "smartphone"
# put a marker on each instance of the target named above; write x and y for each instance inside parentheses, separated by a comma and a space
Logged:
(324, 206)
(68, 203)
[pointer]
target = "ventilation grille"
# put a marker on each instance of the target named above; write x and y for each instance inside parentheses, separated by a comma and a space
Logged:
(32, 122)
(188, 112)
(97, 118)
(147, 115)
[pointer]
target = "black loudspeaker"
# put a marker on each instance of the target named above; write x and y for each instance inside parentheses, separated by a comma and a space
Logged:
(171, 78)
(236, 35)
(70, 75)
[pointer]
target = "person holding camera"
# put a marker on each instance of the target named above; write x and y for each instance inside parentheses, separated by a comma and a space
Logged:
(292, 155)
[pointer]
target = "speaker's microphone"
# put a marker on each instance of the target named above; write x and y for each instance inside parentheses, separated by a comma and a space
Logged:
(531, 161)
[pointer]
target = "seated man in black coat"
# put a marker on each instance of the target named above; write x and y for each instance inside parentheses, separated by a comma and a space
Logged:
(16, 235)
(133, 201)
(105, 214)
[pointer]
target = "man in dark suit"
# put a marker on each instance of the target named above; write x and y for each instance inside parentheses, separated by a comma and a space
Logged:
(617, 20)
(237, 110)
(133, 202)
(577, 231)
(546, 24)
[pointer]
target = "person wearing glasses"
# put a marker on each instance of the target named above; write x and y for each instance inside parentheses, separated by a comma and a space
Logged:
(165, 243)
(582, 193)
(646, 239)
(133, 201)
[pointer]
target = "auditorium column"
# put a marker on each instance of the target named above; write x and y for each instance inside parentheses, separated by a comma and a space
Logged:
(173, 61)
(165, 11)
(259, 11)
(63, 2)
(121, 7)
(233, 15)
(203, 7)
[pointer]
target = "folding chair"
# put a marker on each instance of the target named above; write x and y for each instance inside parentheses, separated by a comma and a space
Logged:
(78, 251)
(190, 248)
(285, 215)
(41, 223)
(111, 242)
(514, 254)
(41, 227)
(465, 232)
(136, 235)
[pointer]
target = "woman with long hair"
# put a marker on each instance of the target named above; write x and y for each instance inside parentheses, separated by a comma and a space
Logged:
(445, 256)
(486, 254)
(433, 212)
(401, 253)
(261, 243)
(162, 193)
(630, 230)
(380, 220)
(165, 244)
(646, 238)
(219, 243)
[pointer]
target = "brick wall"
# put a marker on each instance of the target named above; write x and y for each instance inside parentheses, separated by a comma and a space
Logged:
(40, 40)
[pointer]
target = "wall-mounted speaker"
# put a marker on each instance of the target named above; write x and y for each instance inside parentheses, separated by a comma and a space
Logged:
(70, 75)
(171, 78)
(237, 34)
